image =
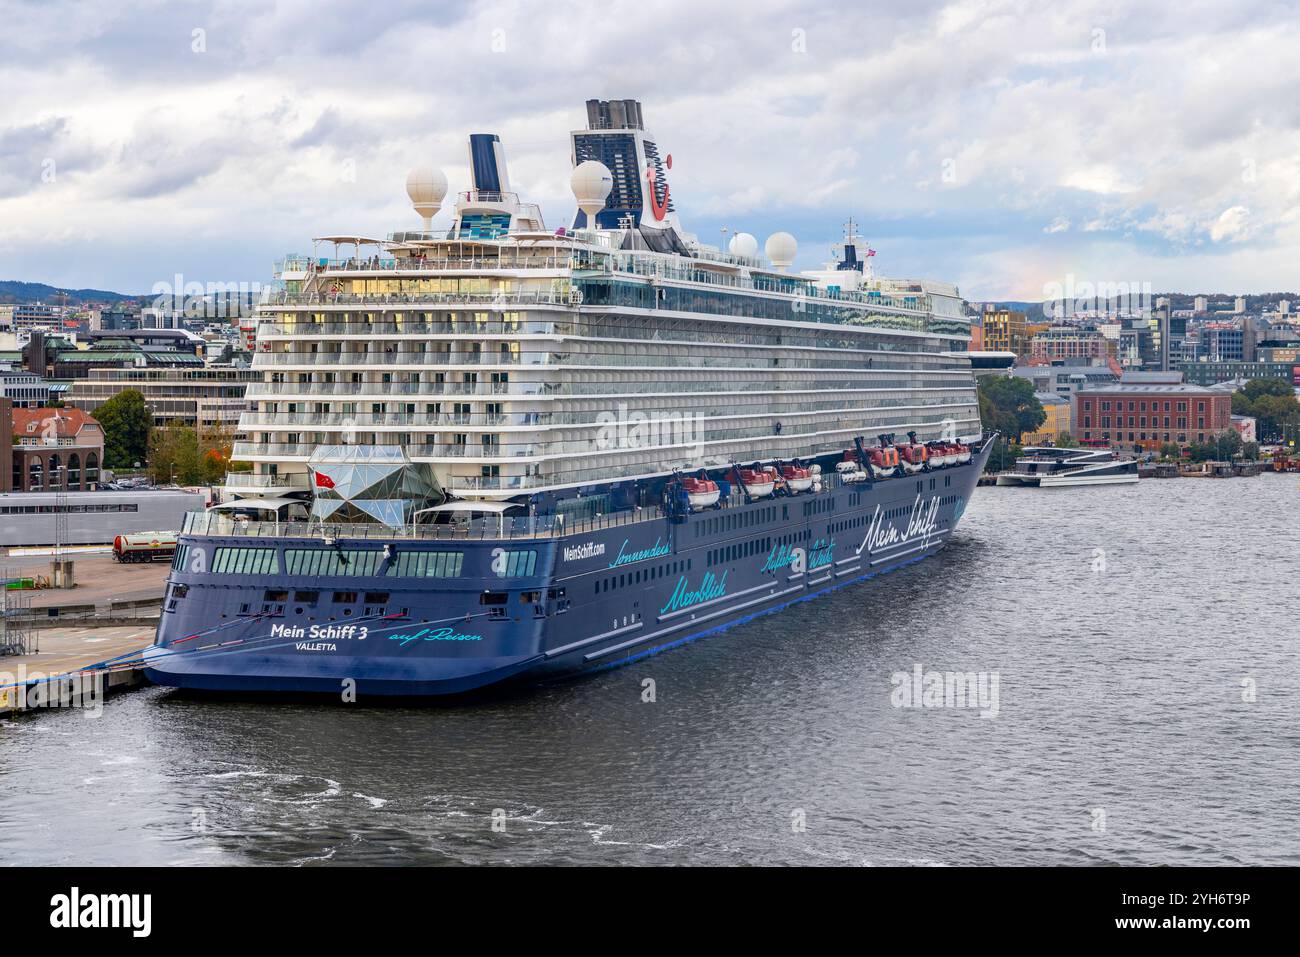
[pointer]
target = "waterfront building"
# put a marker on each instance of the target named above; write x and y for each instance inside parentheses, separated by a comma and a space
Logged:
(23, 389)
(1005, 330)
(205, 398)
(1071, 342)
(1065, 377)
(53, 449)
(31, 316)
(1222, 343)
(122, 350)
(1059, 416)
(1208, 373)
(1147, 416)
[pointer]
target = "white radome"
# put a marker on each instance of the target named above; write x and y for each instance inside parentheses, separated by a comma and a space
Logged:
(427, 188)
(591, 183)
(743, 244)
(781, 249)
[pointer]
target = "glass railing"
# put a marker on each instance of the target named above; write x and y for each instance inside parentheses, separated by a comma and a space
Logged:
(536, 526)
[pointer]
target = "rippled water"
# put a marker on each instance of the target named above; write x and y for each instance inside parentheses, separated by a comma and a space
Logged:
(1121, 735)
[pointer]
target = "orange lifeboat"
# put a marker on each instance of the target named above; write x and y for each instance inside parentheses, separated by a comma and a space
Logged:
(701, 492)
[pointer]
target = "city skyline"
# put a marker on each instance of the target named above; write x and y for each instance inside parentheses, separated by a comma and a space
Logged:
(998, 145)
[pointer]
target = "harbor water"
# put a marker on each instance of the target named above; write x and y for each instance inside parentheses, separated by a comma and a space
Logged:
(1134, 702)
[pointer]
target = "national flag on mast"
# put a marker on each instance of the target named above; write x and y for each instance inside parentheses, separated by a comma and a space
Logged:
(871, 252)
(323, 480)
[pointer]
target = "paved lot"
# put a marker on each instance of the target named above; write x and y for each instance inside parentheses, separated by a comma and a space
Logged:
(98, 579)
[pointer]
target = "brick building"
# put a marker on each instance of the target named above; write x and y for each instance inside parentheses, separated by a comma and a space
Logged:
(1147, 416)
(54, 448)
(1069, 342)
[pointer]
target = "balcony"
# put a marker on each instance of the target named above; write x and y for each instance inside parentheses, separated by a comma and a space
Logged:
(247, 481)
(278, 450)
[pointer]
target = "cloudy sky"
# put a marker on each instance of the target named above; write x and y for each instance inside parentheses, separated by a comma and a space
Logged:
(1001, 145)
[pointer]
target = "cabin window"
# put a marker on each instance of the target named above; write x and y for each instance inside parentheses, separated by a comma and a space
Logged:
(427, 565)
(513, 564)
(245, 561)
(332, 561)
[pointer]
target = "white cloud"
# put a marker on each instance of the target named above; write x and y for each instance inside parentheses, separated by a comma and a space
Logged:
(1232, 225)
(951, 131)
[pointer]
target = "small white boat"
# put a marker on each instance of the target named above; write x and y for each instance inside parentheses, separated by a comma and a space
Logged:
(1049, 467)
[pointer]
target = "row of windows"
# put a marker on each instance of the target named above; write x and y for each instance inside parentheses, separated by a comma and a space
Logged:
(510, 564)
(1142, 406)
(428, 565)
(731, 553)
(1153, 437)
(745, 519)
(245, 561)
(1140, 422)
(51, 509)
(329, 561)
(651, 573)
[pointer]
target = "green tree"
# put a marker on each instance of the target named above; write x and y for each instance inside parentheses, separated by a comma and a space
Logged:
(1227, 444)
(1250, 451)
(1066, 441)
(1273, 404)
(1008, 404)
(1171, 450)
(127, 422)
(174, 452)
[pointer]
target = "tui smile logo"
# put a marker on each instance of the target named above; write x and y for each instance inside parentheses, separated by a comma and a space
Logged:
(658, 209)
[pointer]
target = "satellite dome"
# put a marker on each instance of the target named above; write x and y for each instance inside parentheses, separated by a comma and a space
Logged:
(743, 244)
(427, 188)
(781, 249)
(591, 183)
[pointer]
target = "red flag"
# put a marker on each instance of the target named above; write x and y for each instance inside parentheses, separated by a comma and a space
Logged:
(323, 480)
(871, 252)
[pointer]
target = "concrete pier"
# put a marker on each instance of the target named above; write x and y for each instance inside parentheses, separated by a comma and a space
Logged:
(64, 651)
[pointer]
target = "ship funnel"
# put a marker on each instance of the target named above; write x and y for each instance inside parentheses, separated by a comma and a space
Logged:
(427, 188)
(591, 183)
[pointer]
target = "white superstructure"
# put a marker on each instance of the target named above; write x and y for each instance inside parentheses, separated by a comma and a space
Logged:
(515, 360)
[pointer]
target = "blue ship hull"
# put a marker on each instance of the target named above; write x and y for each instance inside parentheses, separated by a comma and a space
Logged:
(427, 618)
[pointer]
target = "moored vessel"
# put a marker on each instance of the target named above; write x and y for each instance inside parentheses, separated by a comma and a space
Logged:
(471, 447)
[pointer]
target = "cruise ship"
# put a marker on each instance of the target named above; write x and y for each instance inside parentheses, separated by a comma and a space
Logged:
(501, 451)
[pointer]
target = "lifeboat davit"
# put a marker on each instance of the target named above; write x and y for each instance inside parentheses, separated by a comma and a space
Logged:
(702, 493)
(759, 483)
(797, 478)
